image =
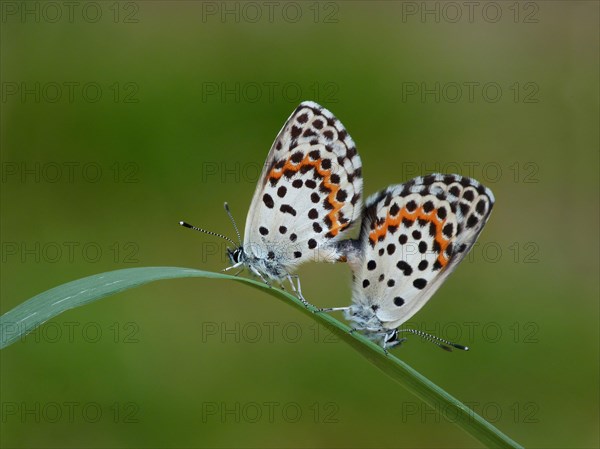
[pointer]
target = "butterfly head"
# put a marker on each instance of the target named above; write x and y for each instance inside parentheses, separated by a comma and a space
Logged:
(236, 256)
(390, 339)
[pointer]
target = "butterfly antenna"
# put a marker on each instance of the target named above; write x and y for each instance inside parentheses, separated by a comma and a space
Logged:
(234, 224)
(187, 225)
(444, 344)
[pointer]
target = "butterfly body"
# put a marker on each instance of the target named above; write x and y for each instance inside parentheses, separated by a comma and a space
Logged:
(413, 236)
(308, 196)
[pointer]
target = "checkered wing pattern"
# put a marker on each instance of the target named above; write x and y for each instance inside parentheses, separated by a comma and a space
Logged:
(309, 193)
(413, 236)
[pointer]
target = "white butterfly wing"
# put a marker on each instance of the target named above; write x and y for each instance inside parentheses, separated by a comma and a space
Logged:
(309, 193)
(413, 236)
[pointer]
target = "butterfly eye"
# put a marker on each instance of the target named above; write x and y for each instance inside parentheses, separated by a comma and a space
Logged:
(239, 254)
(236, 255)
(392, 336)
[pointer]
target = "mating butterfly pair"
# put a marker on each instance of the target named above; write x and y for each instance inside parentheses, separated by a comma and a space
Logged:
(413, 235)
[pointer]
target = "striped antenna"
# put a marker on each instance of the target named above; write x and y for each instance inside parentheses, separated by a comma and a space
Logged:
(444, 344)
(187, 225)
(234, 224)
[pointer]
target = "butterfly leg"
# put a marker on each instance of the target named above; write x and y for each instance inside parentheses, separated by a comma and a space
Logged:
(297, 289)
(332, 309)
(259, 274)
(231, 267)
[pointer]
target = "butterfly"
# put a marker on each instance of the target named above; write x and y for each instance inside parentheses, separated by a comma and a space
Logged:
(308, 196)
(413, 235)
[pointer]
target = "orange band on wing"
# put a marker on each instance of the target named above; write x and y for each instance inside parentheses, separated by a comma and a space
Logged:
(417, 214)
(336, 225)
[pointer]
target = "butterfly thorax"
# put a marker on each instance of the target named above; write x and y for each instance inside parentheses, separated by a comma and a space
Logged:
(272, 269)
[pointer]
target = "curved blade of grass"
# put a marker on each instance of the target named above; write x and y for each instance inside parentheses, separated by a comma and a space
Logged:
(27, 316)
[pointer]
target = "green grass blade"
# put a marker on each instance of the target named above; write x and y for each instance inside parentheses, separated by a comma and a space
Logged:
(27, 316)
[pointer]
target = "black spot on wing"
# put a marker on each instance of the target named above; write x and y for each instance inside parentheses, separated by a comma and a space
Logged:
(297, 157)
(405, 268)
(472, 221)
(268, 200)
(411, 206)
(448, 230)
(419, 283)
(287, 209)
(480, 207)
(302, 118)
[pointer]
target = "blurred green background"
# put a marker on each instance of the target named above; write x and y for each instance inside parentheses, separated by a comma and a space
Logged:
(121, 118)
